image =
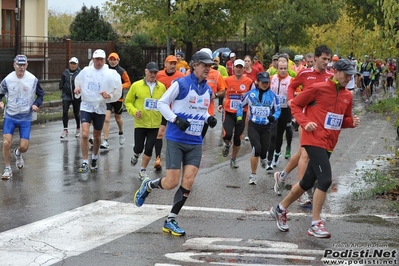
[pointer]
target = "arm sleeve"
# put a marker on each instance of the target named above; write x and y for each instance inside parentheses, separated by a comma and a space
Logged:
(126, 81)
(129, 100)
(167, 98)
(295, 82)
(62, 82)
(300, 102)
(39, 95)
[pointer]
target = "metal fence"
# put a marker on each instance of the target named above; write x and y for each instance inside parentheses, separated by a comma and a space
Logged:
(48, 57)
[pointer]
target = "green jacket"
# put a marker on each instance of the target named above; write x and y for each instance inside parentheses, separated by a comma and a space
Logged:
(135, 99)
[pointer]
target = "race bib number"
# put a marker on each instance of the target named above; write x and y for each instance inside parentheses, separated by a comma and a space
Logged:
(260, 111)
(333, 121)
(150, 104)
(235, 99)
(366, 73)
(282, 99)
(389, 75)
(195, 128)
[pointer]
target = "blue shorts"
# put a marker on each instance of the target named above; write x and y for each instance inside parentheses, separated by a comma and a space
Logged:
(179, 153)
(10, 124)
(96, 119)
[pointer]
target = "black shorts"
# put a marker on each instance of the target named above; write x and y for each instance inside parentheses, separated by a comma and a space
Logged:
(118, 107)
(96, 119)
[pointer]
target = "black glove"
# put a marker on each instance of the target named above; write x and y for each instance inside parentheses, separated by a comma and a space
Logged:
(212, 121)
(182, 123)
(271, 118)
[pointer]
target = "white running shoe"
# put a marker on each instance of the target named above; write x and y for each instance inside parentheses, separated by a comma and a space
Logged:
(64, 134)
(253, 179)
(19, 161)
(121, 140)
(104, 145)
(77, 133)
(7, 173)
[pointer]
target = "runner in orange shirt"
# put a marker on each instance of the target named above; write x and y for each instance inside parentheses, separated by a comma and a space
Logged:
(236, 87)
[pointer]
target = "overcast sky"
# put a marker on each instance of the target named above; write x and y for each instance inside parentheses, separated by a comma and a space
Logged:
(73, 6)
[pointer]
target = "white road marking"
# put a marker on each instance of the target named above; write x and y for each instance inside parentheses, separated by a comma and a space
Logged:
(77, 231)
(73, 232)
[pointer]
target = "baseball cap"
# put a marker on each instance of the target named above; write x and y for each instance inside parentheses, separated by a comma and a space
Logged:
(202, 57)
(346, 66)
(180, 53)
(298, 57)
(171, 58)
(74, 60)
(216, 59)
(232, 55)
(335, 58)
(275, 57)
(113, 55)
(21, 59)
(207, 50)
(239, 62)
(152, 67)
(99, 53)
(263, 77)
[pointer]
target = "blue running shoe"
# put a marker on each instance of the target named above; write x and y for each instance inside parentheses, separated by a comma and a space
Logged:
(142, 193)
(173, 228)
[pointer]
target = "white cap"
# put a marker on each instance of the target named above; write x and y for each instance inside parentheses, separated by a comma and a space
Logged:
(232, 55)
(99, 53)
(74, 60)
(239, 62)
(207, 50)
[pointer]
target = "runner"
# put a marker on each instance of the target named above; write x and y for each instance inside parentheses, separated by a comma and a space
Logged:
(322, 123)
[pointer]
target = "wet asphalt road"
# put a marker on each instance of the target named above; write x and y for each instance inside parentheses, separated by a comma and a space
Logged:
(222, 207)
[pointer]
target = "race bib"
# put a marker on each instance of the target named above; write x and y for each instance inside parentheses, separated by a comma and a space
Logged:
(282, 99)
(235, 99)
(389, 75)
(150, 104)
(260, 111)
(333, 121)
(366, 73)
(195, 128)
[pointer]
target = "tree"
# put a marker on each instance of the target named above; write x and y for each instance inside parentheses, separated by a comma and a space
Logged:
(89, 25)
(282, 23)
(58, 24)
(189, 22)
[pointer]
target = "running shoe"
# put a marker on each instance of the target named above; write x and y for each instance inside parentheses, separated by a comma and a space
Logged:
(304, 200)
(91, 140)
(134, 159)
(84, 168)
(278, 184)
(263, 163)
(253, 179)
(104, 145)
(276, 159)
(225, 150)
(233, 163)
(142, 193)
(287, 153)
(246, 138)
(281, 219)
(19, 161)
(143, 174)
(121, 140)
(173, 228)
(77, 133)
(158, 164)
(7, 173)
(94, 165)
(269, 166)
(64, 134)
(319, 230)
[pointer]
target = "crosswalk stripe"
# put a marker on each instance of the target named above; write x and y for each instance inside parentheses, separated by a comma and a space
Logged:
(73, 232)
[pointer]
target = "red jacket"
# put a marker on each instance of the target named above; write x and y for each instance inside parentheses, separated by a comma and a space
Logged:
(305, 78)
(319, 99)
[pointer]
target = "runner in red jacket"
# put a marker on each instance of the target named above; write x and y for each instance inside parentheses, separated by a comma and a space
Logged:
(322, 110)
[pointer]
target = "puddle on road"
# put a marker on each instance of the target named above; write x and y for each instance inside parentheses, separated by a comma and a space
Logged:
(342, 188)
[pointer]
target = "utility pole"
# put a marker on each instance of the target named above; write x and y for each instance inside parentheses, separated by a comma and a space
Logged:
(168, 31)
(17, 19)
